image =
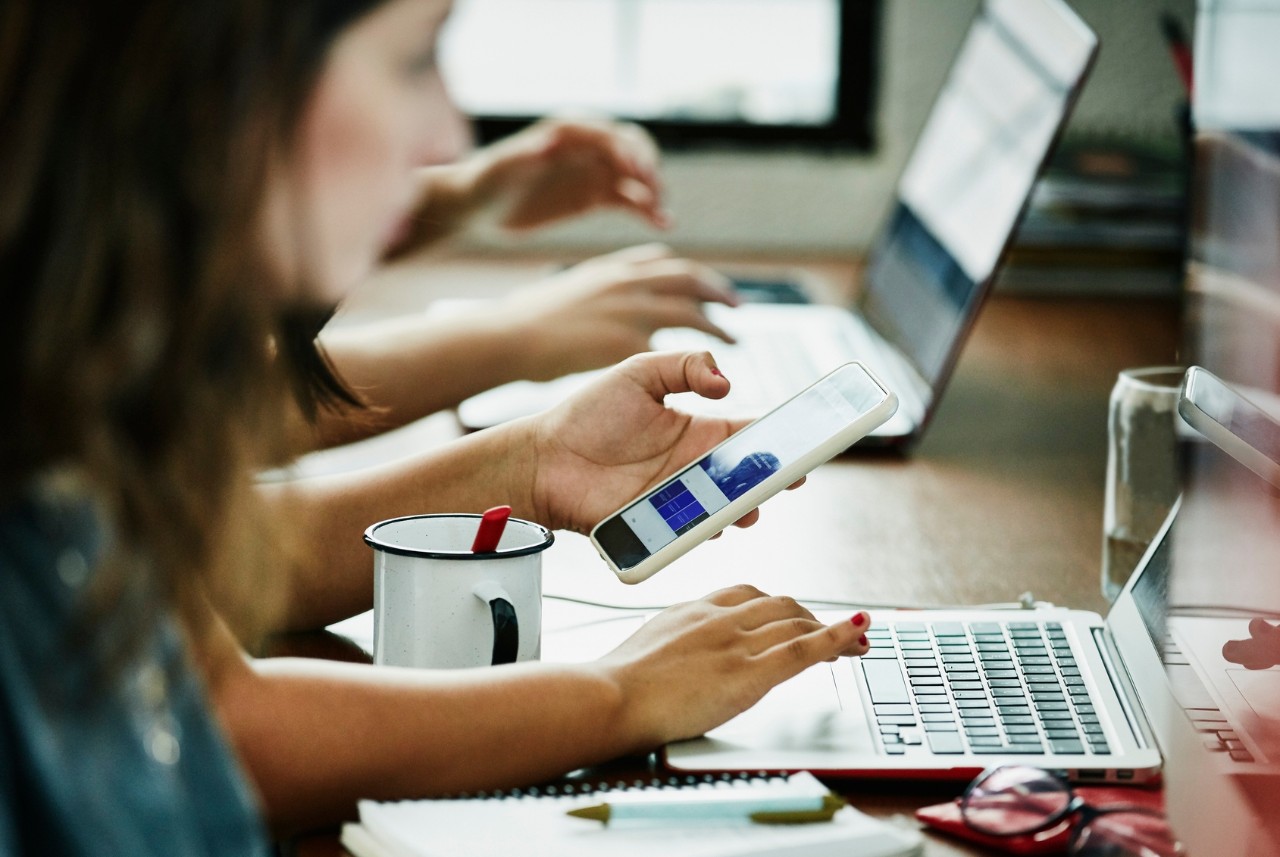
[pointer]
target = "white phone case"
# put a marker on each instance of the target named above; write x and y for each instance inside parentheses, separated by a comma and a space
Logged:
(753, 497)
(1209, 405)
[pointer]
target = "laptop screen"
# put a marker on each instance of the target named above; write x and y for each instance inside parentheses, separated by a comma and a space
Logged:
(1150, 589)
(970, 175)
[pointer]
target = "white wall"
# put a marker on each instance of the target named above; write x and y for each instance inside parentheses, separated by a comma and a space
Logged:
(790, 202)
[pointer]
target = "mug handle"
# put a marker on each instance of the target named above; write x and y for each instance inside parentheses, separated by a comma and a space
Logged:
(506, 626)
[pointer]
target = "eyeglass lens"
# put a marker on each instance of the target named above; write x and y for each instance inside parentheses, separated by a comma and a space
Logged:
(1014, 800)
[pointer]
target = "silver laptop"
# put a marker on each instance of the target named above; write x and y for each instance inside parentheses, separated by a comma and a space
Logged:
(947, 693)
(957, 203)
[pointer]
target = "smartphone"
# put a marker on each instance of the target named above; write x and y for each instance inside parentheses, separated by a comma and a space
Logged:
(1242, 429)
(749, 467)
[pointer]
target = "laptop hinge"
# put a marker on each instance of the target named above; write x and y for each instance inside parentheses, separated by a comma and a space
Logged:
(1122, 682)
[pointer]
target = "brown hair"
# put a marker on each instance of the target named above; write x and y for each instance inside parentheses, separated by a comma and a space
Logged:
(143, 336)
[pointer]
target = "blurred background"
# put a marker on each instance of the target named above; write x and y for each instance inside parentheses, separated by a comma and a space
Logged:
(786, 122)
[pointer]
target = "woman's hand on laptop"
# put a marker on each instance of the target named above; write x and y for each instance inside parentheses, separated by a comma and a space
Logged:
(615, 438)
(695, 665)
(552, 171)
(606, 309)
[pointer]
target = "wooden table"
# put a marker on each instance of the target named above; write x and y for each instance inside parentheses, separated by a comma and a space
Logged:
(1003, 496)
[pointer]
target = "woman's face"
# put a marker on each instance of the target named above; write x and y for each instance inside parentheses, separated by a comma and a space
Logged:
(379, 110)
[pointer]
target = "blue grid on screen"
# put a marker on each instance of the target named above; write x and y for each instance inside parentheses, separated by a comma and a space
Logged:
(678, 507)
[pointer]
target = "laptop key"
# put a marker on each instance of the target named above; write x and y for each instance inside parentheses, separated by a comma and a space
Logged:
(972, 703)
(1002, 674)
(896, 719)
(981, 731)
(1004, 682)
(1018, 720)
(1009, 750)
(895, 749)
(977, 721)
(1061, 734)
(947, 717)
(884, 681)
(893, 708)
(947, 743)
(935, 708)
(1067, 748)
(941, 727)
(1020, 729)
(971, 694)
(959, 684)
(985, 741)
(948, 649)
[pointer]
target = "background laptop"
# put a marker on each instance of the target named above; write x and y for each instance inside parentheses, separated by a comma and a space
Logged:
(957, 203)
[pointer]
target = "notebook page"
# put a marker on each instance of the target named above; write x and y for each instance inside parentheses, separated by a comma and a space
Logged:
(539, 827)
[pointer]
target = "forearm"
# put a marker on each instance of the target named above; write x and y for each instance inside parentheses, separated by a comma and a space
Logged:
(335, 579)
(410, 367)
(316, 736)
(447, 199)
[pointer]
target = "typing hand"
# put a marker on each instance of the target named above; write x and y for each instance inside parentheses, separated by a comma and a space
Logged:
(606, 309)
(739, 642)
(563, 168)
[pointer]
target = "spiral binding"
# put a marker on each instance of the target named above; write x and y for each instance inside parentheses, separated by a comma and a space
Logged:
(607, 786)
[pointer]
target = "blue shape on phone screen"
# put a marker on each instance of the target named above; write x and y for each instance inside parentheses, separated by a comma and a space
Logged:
(678, 507)
(750, 471)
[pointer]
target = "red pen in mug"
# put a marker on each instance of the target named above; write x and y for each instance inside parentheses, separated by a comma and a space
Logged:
(492, 523)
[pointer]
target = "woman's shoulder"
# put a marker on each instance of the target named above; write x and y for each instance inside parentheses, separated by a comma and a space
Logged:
(130, 763)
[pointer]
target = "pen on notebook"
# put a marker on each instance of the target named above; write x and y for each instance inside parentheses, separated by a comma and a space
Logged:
(492, 523)
(713, 805)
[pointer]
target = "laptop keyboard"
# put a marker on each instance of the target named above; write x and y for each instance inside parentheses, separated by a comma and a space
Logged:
(766, 368)
(985, 688)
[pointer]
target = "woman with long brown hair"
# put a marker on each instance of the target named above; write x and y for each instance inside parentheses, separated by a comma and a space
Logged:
(189, 187)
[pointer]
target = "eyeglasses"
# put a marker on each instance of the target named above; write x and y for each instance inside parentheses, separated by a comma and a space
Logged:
(1013, 800)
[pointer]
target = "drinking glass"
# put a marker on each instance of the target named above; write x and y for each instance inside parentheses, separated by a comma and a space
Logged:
(1142, 468)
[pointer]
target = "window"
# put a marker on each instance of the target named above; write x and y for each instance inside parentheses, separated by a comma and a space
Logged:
(734, 71)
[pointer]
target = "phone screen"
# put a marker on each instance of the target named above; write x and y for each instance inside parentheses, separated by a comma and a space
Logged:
(737, 465)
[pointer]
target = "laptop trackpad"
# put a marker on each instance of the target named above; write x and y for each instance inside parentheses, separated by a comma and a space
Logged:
(800, 715)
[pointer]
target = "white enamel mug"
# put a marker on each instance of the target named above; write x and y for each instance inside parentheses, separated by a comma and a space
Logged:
(438, 605)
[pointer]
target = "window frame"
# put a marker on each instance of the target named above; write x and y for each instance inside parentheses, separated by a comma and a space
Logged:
(850, 129)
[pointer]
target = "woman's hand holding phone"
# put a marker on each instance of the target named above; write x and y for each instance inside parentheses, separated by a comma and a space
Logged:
(615, 438)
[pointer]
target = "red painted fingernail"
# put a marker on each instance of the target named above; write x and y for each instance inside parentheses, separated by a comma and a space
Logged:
(859, 618)
(863, 640)
(716, 372)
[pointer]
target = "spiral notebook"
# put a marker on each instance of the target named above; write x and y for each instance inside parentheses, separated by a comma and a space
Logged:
(536, 825)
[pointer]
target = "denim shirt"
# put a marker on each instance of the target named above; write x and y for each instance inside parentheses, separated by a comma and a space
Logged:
(136, 766)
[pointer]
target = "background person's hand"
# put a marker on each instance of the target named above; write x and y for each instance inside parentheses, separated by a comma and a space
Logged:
(615, 438)
(739, 640)
(606, 309)
(562, 168)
